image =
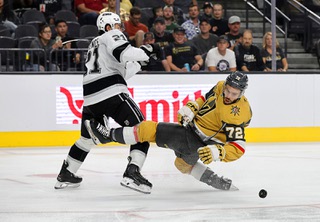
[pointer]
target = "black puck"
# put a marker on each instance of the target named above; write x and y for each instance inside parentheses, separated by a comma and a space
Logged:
(262, 193)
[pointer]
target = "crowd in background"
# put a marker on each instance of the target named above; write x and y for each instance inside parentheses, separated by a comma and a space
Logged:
(196, 37)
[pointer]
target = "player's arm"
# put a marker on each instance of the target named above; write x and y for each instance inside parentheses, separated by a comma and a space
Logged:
(232, 150)
(122, 50)
(199, 63)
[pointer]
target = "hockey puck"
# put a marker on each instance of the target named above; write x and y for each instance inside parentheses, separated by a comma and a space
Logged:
(262, 193)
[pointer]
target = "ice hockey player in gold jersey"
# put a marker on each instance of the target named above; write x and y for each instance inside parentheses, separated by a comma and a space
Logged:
(212, 128)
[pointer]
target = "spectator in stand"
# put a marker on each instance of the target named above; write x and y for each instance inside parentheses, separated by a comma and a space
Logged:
(134, 28)
(234, 36)
(112, 4)
(157, 60)
(266, 53)
(205, 40)
(126, 5)
(180, 53)
(219, 25)
(162, 37)
(7, 17)
(45, 42)
(88, 10)
(169, 19)
(48, 8)
(207, 11)
(248, 56)
(177, 12)
(220, 58)
(157, 12)
(192, 25)
(66, 59)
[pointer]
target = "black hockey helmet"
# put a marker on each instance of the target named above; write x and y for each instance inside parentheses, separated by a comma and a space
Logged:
(238, 80)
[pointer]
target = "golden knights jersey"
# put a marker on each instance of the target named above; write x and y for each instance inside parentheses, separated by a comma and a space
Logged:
(111, 60)
(228, 120)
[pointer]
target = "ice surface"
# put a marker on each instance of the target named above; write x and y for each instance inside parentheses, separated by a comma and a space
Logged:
(289, 172)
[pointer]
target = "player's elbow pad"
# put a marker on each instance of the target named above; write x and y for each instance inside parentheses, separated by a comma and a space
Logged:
(134, 54)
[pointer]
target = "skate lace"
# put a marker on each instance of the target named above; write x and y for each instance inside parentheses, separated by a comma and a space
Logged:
(103, 131)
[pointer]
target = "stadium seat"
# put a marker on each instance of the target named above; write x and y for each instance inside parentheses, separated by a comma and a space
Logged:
(33, 16)
(7, 57)
(66, 15)
(83, 43)
(4, 31)
(73, 29)
(89, 31)
(25, 30)
(25, 42)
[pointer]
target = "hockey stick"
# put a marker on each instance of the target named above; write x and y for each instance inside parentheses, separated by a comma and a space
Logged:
(210, 137)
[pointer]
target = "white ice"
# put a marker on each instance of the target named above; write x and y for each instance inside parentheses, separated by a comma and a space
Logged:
(289, 173)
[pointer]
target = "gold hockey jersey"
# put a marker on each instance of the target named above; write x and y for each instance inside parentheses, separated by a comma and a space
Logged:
(228, 122)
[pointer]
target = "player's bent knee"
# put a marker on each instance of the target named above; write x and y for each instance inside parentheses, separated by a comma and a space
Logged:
(85, 143)
(147, 131)
(182, 166)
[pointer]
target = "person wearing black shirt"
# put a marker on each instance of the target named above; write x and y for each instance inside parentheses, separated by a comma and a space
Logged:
(219, 25)
(180, 52)
(248, 56)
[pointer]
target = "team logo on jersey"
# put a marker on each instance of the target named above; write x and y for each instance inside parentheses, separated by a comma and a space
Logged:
(235, 110)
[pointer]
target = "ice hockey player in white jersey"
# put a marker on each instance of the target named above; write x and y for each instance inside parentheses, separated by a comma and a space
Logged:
(111, 60)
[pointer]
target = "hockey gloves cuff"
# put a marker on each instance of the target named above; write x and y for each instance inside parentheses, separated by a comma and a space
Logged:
(187, 113)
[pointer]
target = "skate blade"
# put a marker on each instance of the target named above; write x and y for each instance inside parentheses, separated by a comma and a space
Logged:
(63, 185)
(126, 182)
(233, 188)
(93, 137)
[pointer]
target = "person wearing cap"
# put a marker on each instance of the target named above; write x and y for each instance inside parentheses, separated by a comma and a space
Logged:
(169, 18)
(181, 52)
(161, 35)
(134, 28)
(220, 58)
(248, 56)
(234, 36)
(219, 25)
(157, 59)
(207, 11)
(205, 40)
(178, 14)
(192, 26)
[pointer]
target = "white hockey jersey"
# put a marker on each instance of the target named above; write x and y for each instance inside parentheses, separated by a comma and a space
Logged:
(111, 60)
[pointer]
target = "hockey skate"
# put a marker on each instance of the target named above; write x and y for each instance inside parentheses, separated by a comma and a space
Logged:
(214, 180)
(66, 178)
(135, 181)
(100, 134)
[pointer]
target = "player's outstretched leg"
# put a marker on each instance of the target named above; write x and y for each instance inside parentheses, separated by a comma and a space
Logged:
(98, 132)
(66, 178)
(133, 179)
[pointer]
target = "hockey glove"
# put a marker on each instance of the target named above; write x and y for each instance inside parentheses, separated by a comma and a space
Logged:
(187, 113)
(210, 153)
(148, 49)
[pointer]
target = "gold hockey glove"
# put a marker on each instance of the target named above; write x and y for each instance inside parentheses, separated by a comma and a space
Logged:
(210, 153)
(187, 113)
